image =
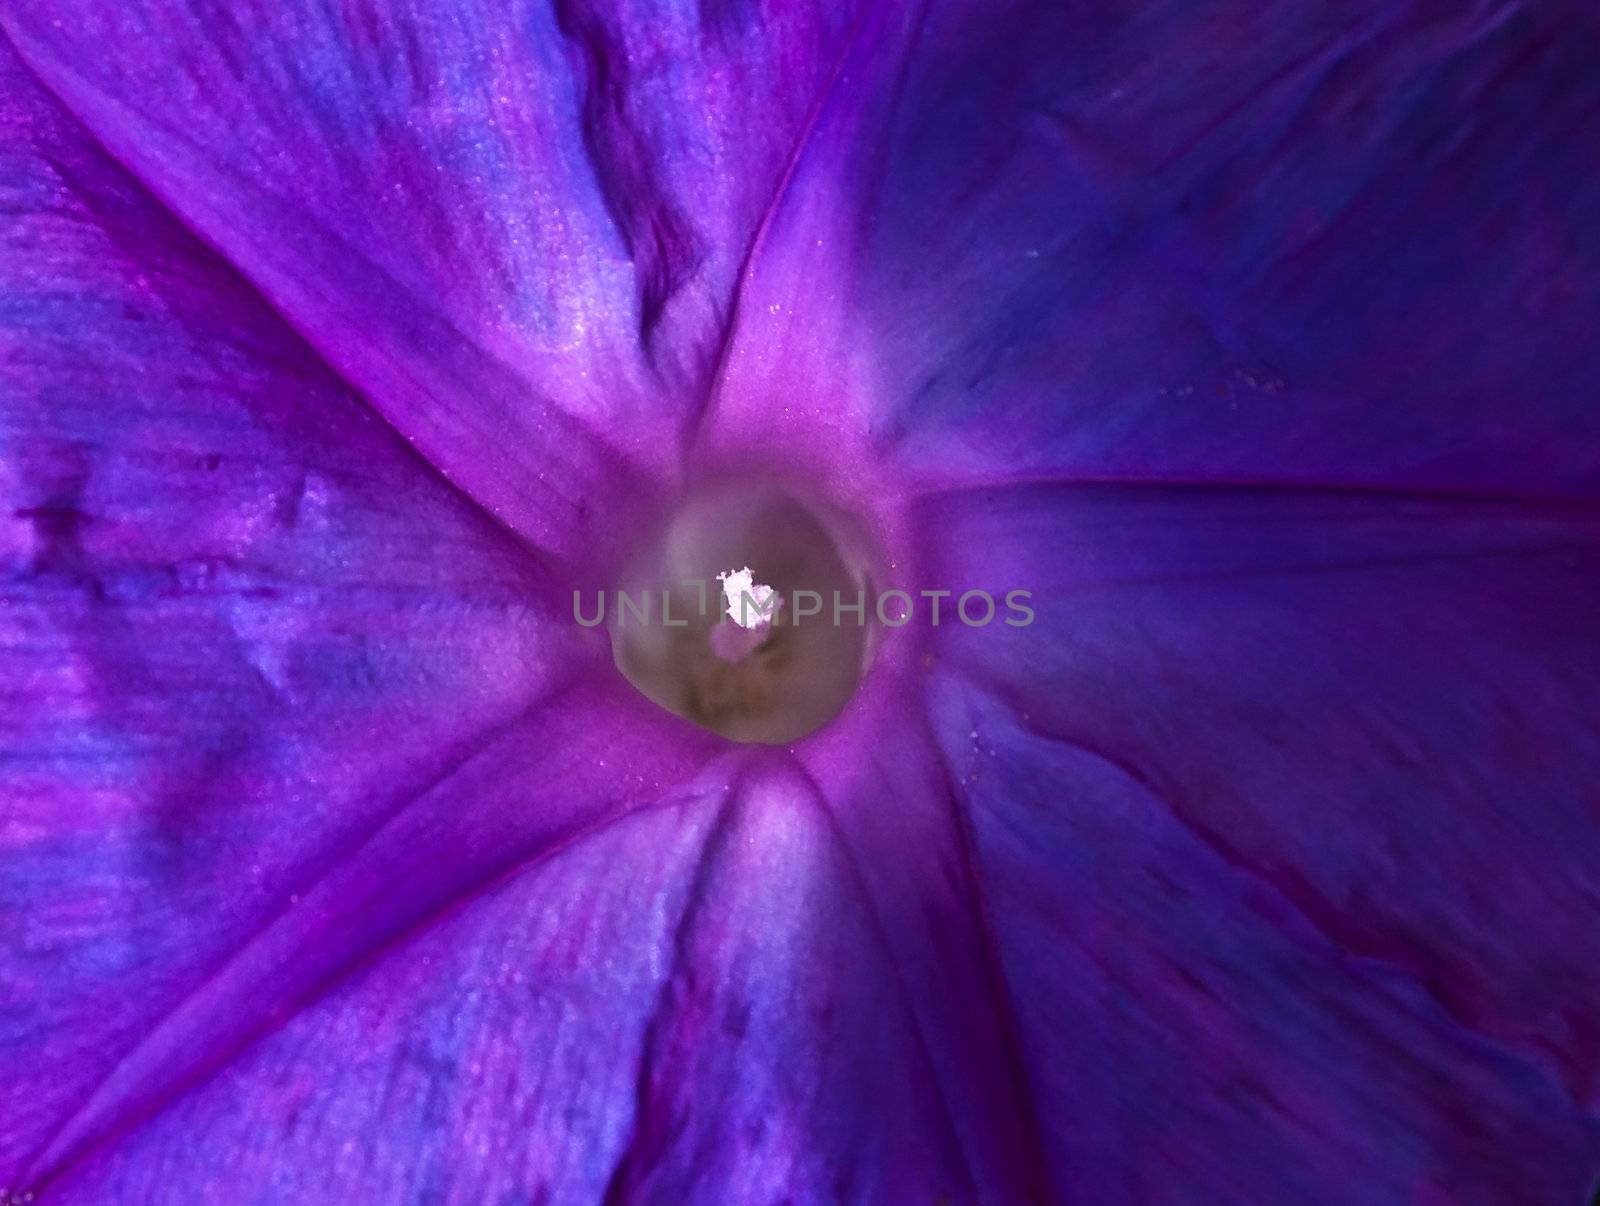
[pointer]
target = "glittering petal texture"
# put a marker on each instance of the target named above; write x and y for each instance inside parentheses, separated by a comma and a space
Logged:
(240, 621)
(514, 227)
(338, 340)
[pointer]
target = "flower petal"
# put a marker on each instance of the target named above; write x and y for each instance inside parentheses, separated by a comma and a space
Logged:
(784, 1062)
(1348, 244)
(1192, 1036)
(899, 822)
(689, 1003)
(514, 227)
(568, 769)
(489, 1056)
(1384, 709)
(240, 620)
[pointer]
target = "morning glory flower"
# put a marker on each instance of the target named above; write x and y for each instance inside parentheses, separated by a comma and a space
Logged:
(343, 344)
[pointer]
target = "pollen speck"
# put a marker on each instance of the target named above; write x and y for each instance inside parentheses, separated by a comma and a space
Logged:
(752, 612)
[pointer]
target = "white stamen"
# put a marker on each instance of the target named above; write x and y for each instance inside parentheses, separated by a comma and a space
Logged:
(749, 605)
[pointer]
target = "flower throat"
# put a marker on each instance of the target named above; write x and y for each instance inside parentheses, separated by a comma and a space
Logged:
(706, 622)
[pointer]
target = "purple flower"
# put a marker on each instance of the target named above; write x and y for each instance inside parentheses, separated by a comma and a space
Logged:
(342, 340)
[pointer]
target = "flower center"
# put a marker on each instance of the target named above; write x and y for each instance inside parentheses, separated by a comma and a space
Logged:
(745, 615)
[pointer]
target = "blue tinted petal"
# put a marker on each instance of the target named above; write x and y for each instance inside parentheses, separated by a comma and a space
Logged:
(1192, 1035)
(1385, 707)
(1179, 242)
(1347, 244)
(515, 228)
(690, 1002)
(240, 621)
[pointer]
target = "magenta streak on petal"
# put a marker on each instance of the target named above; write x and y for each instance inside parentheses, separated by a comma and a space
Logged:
(796, 385)
(442, 392)
(498, 1043)
(668, 107)
(900, 823)
(1334, 254)
(1156, 973)
(438, 230)
(867, 18)
(779, 953)
(228, 648)
(1378, 704)
(516, 801)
